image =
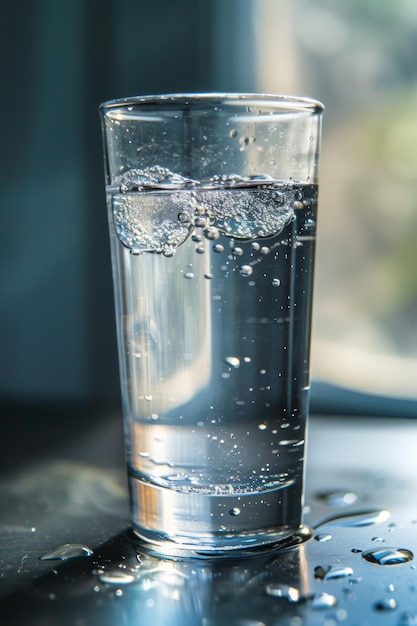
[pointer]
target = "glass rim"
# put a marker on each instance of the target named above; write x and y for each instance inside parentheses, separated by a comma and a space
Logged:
(278, 103)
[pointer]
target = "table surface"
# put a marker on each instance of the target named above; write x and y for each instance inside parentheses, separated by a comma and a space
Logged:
(361, 487)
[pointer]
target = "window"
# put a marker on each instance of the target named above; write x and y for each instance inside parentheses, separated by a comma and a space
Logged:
(359, 59)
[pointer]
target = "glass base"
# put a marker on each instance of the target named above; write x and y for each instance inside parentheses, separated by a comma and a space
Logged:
(176, 523)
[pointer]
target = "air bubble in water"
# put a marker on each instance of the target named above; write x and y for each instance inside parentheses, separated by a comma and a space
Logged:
(237, 251)
(388, 556)
(276, 282)
(235, 511)
(208, 276)
(249, 212)
(67, 551)
(233, 361)
(218, 247)
(246, 270)
(200, 221)
(189, 275)
(323, 537)
(184, 218)
(211, 232)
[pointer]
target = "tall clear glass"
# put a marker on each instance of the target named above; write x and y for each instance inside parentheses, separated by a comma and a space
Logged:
(212, 202)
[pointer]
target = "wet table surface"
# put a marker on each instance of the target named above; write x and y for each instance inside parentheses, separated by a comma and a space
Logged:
(357, 568)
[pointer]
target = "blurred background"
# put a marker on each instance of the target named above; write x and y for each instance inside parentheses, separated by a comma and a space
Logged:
(59, 60)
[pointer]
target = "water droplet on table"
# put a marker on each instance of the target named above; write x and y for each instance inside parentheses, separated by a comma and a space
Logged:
(332, 573)
(67, 551)
(351, 520)
(388, 556)
(338, 498)
(278, 590)
(323, 601)
(386, 604)
(115, 577)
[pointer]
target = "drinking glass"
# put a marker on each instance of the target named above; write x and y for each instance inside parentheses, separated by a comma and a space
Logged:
(212, 202)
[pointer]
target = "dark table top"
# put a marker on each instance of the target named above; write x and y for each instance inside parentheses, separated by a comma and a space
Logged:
(356, 569)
